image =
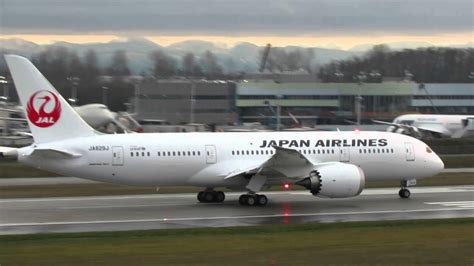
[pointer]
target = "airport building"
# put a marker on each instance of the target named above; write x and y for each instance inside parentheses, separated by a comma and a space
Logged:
(184, 101)
(308, 103)
(334, 103)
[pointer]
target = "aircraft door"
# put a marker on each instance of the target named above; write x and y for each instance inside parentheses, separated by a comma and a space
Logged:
(410, 151)
(117, 156)
(344, 154)
(211, 155)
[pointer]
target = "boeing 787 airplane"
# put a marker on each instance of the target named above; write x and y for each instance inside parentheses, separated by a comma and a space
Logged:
(328, 164)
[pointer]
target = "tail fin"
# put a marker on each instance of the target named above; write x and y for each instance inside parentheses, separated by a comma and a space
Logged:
(49, 116)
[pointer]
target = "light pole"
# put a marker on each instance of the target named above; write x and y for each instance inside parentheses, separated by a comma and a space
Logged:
(361, 77)
(277, 113)
(104, 94)
(74, 84)
(4, 81)
(136, 90)
(192, 101)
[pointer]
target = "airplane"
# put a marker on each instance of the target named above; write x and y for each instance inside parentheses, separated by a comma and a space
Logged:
(422, 125)
(328, 164)
(96, 115)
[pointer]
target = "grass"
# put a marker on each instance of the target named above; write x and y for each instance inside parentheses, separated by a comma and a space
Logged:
(389, 242)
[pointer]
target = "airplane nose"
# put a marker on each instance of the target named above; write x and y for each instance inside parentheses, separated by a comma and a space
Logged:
(437, 164)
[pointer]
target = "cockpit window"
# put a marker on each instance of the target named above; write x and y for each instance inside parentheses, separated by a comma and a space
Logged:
(428, 150)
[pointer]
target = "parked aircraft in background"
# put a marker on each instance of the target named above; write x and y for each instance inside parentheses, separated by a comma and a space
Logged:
(328, 164)
(97, 116)
(429, 125)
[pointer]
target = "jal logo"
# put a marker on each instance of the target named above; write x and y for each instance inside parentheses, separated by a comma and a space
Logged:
(43, 109)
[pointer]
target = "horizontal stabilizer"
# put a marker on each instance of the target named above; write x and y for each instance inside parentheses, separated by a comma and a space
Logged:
(8, 152)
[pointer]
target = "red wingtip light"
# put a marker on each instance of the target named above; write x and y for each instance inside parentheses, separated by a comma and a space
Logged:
(357, 130)
(286, 186)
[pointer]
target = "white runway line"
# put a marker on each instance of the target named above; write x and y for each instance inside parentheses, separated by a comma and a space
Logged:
(459, 204)
(229, 217)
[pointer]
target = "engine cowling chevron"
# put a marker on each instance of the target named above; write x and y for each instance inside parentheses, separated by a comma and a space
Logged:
(338, 180)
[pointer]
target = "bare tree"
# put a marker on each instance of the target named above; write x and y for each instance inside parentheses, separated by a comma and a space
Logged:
(164, 66)
(119, 64)
(210, 65)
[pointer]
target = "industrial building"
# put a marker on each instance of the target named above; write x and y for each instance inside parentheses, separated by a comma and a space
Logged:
(307, 103)
(333, 103)
(184, 101)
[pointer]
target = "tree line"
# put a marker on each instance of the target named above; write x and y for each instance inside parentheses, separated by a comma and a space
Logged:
(69, 72)
(422, 65)
(66, 70)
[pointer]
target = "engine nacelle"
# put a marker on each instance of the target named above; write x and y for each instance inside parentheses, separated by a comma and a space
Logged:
(338, 180)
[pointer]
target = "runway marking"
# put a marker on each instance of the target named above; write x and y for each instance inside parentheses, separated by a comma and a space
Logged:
(122, 206)
(372, 191)
(459, 204)
(228, 217)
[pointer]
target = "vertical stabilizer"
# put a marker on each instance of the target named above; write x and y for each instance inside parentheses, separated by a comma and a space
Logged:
(49, 115)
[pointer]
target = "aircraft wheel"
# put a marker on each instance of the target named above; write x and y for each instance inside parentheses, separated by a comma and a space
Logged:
(251, 201)
(220, 196)
(262, 200)
(200, 196)
(243, 200)
(404, 193)
(209, 196)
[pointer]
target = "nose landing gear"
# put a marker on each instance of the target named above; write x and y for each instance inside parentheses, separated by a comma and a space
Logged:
(404, 193)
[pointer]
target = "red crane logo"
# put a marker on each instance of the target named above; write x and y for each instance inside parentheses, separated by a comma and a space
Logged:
(43, 109)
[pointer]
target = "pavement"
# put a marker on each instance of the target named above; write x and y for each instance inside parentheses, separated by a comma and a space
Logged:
(137, 212)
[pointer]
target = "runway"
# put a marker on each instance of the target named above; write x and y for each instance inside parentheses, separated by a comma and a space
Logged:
(137, 212)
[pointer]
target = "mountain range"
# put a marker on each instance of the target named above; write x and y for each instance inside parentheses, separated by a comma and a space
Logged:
(243, 56)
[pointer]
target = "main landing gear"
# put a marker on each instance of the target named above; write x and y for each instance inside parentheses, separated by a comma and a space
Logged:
(208, 196)
(253, 200)
(404, 193)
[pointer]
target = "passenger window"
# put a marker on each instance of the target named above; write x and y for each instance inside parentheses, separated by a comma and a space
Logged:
(232, 154)
(137, 153)
(189, 153)
(194, 153)
(131, 154)
(148, 154)
(199, 153)
(174, 153)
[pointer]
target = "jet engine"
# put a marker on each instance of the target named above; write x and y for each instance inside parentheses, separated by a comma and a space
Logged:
(337, 180)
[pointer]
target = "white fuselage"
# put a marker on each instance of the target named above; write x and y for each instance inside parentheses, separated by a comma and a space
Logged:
(449, 124)
(205, 159)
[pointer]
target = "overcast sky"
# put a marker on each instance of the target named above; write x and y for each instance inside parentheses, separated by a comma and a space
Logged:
(236, 17)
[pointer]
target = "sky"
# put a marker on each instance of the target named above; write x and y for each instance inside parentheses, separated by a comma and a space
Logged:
(324, 23)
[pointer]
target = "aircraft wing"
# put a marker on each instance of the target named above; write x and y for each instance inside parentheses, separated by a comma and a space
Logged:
(285, 163)
(414, 131)
(388, 123)
(435, 129)
(13, 119)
